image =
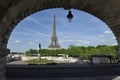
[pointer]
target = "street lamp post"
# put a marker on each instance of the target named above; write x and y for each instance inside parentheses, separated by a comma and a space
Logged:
(70, 16)
(39, 52)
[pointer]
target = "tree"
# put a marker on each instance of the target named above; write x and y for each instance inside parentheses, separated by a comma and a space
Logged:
(31, 52)
(78, 51)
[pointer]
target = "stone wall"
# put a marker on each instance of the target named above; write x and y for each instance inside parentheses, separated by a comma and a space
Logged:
(3, 53)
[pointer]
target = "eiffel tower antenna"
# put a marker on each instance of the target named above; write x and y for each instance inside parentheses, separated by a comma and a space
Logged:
(54, 41)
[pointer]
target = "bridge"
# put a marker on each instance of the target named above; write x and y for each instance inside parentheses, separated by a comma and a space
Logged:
(13, 11)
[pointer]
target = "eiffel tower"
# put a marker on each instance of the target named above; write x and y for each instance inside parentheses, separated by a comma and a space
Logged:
(54, 41)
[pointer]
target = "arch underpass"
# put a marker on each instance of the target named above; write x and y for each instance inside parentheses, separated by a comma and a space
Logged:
(12, 12)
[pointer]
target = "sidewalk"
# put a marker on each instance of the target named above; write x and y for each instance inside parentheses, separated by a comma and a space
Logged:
(17, 62)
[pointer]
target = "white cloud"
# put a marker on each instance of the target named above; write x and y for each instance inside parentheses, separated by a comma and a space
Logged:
(68, 36)
(17, 41)
(102, 41)
(108, 32)
(22, 33)
(37, 40)
(25, 33)
(78, 41)
(83, 41)
(33, 20)
(86, 42)
(30, 43)
(64, 41)
(71, 40)
(114, 37)
(101, 36)
(115, 44)
(108, 42)
(36, 32)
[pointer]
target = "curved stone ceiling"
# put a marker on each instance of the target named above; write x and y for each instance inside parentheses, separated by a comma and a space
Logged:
(13, 11)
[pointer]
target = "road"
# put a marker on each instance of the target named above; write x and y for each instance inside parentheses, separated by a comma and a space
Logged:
(57, 71)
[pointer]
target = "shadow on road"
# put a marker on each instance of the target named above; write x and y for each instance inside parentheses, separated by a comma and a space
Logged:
(62, 72)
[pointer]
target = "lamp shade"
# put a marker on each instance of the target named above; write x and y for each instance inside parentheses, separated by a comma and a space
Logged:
(69, 16)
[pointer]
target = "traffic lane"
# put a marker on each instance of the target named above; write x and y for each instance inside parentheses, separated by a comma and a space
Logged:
(61, 72)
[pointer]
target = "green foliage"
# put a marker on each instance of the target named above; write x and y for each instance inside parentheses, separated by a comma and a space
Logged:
(31, 52)
(78, 51)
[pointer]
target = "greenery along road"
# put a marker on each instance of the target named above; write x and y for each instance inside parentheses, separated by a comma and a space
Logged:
(42, 61)
(77, 51)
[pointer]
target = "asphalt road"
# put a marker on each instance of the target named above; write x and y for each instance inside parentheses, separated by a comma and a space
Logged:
(55, 71)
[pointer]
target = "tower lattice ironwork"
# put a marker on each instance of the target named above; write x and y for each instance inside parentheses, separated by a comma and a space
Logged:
(54, 41)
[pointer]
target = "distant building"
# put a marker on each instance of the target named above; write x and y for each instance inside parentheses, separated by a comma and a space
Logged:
(54, 41)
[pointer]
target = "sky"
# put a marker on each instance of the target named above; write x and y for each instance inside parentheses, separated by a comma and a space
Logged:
(84, 30)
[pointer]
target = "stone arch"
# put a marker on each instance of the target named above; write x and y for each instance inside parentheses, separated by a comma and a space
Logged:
(25, 8)
(13, 11)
